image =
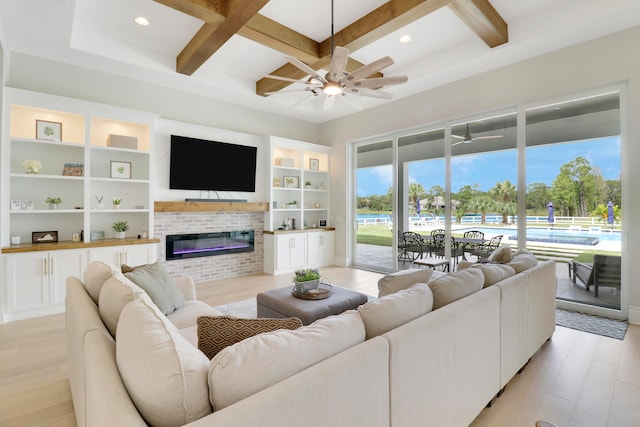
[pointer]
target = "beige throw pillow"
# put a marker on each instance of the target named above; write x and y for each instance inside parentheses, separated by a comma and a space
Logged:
(94, 277)
(218, 332)
(402, 280)
(452, 287)
(523, 260)
(502, 254)
(390, 311)
(494, 273)
(117, 292)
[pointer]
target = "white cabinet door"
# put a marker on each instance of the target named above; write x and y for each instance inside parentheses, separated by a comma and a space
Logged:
(61, 265)
(131, 255)
(291, 251)
(27, 281)
(37, 280)
(320, 248)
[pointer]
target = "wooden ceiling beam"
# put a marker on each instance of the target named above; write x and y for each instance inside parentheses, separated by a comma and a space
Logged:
(483, 19)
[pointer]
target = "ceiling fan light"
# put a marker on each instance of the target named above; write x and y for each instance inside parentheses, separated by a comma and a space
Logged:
(332, 89)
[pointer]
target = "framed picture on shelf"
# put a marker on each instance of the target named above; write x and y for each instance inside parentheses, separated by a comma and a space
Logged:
(322, 223)
(73, 169)
(120, 170)
(51, 131)
(44, 236)
(314, 164)
(291, 181)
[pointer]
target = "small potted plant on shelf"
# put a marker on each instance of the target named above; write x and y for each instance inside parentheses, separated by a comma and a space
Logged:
(292, 204)
(53, 202)
(116, 202)
(306, 279)
(120, 227)
(307, 184)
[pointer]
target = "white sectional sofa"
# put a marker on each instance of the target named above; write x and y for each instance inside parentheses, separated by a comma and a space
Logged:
(396, 361)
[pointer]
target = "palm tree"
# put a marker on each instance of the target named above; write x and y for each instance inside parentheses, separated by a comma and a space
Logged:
(481, 205)
(505, 193)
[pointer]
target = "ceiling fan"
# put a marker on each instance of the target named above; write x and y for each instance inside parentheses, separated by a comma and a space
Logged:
(337, 81)
(467, 138)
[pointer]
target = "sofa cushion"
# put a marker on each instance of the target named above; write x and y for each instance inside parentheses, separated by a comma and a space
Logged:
(502, 254)
(451, 287)
(165, 375)
(94, 277)
(156, 282)
(494, 273)
(402, 279)
(188, 314)
(393, 310)
(523, 260)
(256, 363)
(117, 292)
(218, 332)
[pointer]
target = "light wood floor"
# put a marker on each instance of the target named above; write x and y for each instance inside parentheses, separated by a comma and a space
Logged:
(576, 380)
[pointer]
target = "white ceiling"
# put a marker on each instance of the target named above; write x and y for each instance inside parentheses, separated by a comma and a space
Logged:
(101, 34)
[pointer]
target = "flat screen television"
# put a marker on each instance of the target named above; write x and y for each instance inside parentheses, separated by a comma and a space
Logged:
(198, 164)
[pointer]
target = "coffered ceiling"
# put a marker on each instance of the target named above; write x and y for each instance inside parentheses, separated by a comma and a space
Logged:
(224, 48)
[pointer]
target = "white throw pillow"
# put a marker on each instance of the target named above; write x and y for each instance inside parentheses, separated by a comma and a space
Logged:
(523, 260)
(452, 287)
(117, 292)
(245, 368)
(390, 311)
(494, 273)
(165, 375)
(402, 280)
(94, 277)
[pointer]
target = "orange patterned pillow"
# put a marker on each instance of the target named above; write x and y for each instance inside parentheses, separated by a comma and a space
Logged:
(218, 332)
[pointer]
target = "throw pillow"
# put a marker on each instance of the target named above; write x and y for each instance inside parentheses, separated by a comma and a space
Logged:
(402, 280)
(156, 282)
(216, 333)
(117, 292)
(94, 277)
(523, 260)
(502, 254)
(452, 287)
(494, 273)
(390, 311)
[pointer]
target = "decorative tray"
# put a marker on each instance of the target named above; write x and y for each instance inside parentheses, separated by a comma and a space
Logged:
(324, 291)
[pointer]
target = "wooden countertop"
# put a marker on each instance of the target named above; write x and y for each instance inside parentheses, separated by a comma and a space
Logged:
(67, 244)
(304, 230)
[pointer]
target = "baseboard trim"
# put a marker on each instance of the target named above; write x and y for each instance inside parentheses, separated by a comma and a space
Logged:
(634, 315)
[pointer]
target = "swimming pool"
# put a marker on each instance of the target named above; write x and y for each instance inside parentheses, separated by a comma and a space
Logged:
(551, 235)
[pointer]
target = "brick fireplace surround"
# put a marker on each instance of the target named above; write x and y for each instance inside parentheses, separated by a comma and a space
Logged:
(212, 267)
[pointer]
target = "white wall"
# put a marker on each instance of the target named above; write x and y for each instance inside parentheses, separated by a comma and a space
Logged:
(594, 64)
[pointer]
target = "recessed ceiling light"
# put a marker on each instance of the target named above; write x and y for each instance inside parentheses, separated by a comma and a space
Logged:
(405, 39)
(141, 20)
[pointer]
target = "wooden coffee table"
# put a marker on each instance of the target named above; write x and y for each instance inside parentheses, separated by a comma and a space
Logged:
(433, 263)
(280, 303)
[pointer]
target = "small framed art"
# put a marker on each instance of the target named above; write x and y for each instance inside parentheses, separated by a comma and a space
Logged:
(120, 170)
(314, 164)
(322, 223)
(51, 131)
(291, 181)
(44, 236)
(73, 169)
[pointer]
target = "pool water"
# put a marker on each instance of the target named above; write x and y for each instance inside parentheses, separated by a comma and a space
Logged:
(551, 235)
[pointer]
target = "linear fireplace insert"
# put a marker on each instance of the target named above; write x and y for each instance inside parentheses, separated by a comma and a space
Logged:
(180, 246)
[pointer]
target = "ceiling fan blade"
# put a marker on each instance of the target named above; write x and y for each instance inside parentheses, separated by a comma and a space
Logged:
(304, 67)
(370, 93)
(328, 102)
(378, 82)
(338, 63)
(303, 100)
(487, 137)
(457, 143)
(352, 102)
(287, 79)
(369, 69)
(457, 136)
(306, 89)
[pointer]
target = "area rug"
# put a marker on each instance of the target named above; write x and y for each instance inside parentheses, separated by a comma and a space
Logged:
(245, 308)
(593, 324)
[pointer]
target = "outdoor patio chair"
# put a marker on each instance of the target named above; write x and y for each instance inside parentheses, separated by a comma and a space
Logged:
(483, 251)
(604, 272)
(411, 246)
(471, 234)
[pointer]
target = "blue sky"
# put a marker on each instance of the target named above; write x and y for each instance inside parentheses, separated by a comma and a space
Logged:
(485, 170)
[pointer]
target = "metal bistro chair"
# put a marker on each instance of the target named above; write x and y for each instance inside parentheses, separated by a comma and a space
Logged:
(411, 247)
(483, 251)
(471, 234)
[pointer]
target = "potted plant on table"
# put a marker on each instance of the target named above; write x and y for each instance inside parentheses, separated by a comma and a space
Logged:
(53, 202)
(120, 227)
(306, 279)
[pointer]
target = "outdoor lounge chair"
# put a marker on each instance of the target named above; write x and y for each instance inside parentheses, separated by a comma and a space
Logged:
(604, 272)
